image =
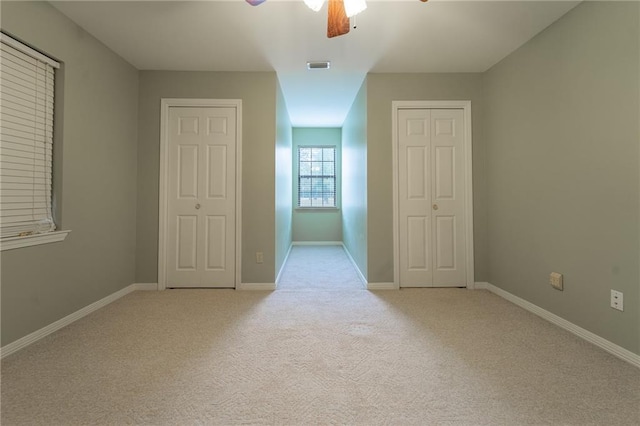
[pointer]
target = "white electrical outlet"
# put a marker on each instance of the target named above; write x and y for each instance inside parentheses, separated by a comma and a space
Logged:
(259, 257)
(555, 279)
(617, 300)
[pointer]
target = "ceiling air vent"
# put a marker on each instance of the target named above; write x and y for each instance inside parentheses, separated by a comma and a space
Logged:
(321, 65)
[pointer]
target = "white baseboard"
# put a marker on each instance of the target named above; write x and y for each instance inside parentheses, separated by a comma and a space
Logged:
(355, 266)
(316, 243)
(257, 286)
(63, 322)
(145, 286)
(481, 285)
(601, 342)
(382, 286)
(284, 263)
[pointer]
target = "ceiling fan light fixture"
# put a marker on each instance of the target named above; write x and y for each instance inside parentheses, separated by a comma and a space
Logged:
(314, 5)
(353, 7)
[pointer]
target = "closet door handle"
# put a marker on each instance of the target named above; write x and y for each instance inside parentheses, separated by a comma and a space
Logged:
(435, 207)
(198, 206)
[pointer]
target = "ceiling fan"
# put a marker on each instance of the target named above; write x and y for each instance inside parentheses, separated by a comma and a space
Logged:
(338, 14)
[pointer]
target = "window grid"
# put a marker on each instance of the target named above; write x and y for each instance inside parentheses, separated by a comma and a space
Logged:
(316, 176)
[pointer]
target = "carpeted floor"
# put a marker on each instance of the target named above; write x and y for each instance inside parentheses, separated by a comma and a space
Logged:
(338, 356)
(319, 267)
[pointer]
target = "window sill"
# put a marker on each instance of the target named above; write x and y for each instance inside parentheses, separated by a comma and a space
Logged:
(315, 209)
(32, 240)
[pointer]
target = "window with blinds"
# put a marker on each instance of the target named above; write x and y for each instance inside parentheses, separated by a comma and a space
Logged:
(26, 139)
(316, 176)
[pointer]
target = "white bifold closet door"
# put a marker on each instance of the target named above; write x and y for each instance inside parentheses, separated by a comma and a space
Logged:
(431, 198)
(201, 197)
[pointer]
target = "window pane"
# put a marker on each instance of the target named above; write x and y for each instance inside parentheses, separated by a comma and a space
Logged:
(316, 176)
(316, 185)
(305, 154)
(305, 168)
(329, 185)
(305, 201)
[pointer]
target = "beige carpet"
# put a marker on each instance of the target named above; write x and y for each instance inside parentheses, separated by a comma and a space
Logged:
(224, 357)
(319, 267)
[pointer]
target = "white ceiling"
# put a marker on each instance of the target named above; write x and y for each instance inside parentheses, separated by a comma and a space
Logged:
(282, 35)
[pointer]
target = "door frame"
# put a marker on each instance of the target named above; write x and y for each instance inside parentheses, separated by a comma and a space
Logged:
(468, 181)
(163, 206)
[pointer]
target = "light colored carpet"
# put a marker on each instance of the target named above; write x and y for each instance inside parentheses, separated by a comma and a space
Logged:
(319, 267)
(224, 357)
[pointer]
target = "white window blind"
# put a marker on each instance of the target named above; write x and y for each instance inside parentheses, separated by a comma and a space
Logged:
(26, 139)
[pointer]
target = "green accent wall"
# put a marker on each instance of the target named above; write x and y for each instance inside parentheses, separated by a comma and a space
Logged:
(562, 135)
(382, 89)
(556, 171)
(258, 93)
(317, 224)
(95, 169)
(354, 180)
(284, 180)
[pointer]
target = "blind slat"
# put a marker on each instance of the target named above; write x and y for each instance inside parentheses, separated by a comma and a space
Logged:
(26, 132)
(7, 167)
(23, 179)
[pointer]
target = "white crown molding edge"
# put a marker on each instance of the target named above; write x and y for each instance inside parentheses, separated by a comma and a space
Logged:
(27, 340)
(256, 287)
(612, 348)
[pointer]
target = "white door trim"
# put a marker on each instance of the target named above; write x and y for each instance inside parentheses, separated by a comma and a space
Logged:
(165, 104)
(468, 172)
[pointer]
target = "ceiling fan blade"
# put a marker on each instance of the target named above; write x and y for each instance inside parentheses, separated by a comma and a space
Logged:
(337, 20)
(255, 2)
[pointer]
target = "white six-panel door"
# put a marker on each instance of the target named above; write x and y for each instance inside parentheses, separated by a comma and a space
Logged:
(431, 189)
(201, 197)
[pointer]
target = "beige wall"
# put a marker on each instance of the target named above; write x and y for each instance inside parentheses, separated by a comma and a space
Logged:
(354, 180)
(382, 89)
(556, 160)
(258, 93)
(562, 142)
(284, 182)
(95, 175)
(314, 224)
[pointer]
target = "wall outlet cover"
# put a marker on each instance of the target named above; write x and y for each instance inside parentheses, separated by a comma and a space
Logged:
(555, 279)
(617, 300)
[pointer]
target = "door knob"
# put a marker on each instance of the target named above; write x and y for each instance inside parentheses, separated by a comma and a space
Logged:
(198, 206)
(435, 207)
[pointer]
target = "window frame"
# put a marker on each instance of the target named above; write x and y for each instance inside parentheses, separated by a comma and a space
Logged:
(33, 238)
(335, 177)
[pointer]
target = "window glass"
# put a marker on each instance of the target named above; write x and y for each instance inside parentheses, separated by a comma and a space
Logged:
(316, 176)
